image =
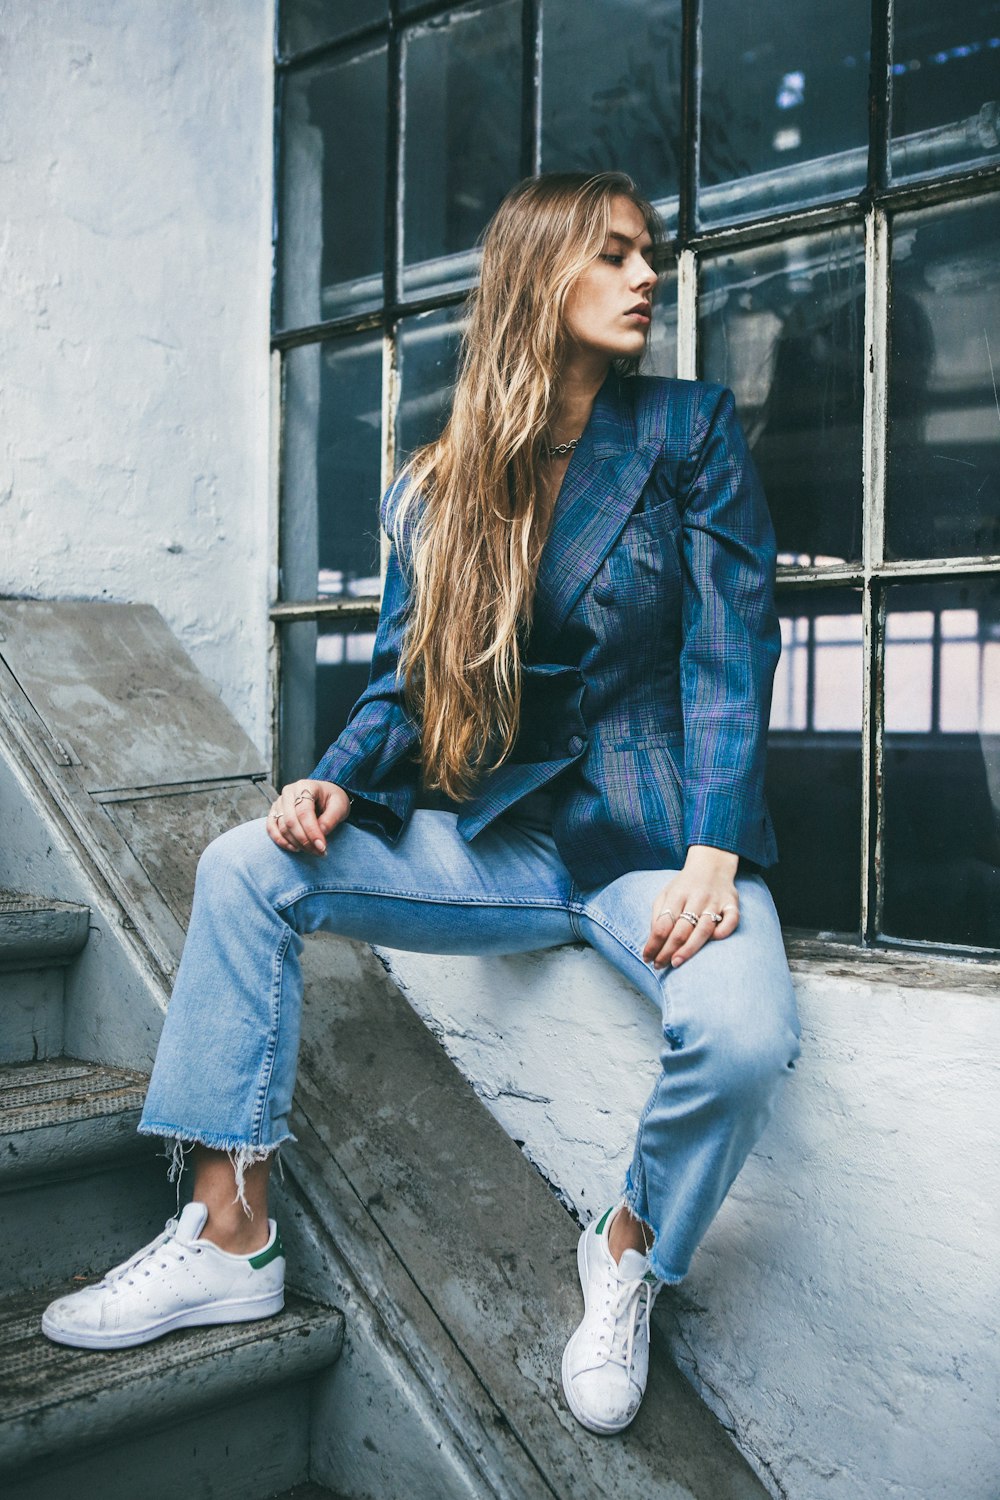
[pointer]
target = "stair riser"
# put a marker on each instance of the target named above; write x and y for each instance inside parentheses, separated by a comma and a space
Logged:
(246, 1451)
(31, 1014)
(59, 1228)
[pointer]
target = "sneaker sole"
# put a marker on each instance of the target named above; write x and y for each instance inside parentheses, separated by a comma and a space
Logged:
(603, 1429)
(191, 1317)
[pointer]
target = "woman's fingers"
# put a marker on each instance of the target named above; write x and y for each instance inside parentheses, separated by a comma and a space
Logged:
(304, 813)
(683, 922)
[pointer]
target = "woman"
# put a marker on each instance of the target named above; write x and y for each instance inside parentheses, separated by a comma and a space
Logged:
(562, 738)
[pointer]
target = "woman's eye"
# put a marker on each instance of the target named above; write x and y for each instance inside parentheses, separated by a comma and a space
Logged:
(613, 260)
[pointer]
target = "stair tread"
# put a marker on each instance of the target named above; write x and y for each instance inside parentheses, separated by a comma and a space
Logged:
(60, 1400)
(36, 1095)
(40, 1374)
(39, 930)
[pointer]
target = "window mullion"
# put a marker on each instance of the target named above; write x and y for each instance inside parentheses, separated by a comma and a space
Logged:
(873, 555)
(531, 86)
(687, 315)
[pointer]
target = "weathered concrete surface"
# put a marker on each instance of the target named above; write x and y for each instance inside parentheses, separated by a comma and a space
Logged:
(57, 1400)
(842, 1315)
(388, 1127)
(135, 176)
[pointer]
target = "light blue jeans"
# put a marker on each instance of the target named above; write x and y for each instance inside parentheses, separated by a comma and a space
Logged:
(225, 1068)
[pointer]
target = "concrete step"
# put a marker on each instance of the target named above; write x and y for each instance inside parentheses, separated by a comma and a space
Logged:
(38, 938)
(209, 1411)
(79, 1190)
(61, 1113)
(35, 930)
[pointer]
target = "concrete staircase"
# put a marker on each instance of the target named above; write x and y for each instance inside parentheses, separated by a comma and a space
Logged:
(403, 1202)
(221, 1412)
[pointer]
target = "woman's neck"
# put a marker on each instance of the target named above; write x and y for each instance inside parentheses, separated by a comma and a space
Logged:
(579, 382)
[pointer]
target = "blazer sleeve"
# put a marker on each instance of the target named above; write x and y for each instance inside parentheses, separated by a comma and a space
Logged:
(731, 639)
(375, 758)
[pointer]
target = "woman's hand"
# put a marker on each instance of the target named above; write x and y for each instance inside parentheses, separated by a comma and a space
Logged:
(705, 889)
(304, 813)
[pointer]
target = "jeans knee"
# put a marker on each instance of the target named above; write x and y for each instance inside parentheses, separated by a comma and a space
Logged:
(229, 861)
(747, 1067)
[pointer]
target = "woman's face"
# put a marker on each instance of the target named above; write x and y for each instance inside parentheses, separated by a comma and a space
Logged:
(609, 306)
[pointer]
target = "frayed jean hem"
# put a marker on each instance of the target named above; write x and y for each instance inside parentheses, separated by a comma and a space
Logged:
(242, 1156)
(634, 1200)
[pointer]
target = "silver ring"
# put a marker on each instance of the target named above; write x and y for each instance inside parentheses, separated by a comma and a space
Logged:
(666, 912)
(305, 796)
(716, 916)
(689, 916)
(730, 906)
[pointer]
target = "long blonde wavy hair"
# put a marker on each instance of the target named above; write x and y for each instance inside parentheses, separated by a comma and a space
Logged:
(473, 518)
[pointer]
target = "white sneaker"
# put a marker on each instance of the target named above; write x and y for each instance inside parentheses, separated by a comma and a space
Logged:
(606, 1361)
(176, 1281)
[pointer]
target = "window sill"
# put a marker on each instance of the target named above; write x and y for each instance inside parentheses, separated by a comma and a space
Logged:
(827, 957)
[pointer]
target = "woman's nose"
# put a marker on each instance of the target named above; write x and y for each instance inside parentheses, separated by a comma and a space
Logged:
(643, 276)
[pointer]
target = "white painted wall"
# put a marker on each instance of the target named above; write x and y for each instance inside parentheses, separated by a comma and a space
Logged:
(135, 203)
(843, 1313)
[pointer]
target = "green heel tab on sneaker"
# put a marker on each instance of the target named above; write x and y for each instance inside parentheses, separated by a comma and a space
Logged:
(604, 1220)
(264, 1257)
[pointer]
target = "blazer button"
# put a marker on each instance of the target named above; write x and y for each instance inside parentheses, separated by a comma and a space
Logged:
(576, 744)
(604, 596)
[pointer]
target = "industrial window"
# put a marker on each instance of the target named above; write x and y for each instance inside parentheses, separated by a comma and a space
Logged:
(831, 180)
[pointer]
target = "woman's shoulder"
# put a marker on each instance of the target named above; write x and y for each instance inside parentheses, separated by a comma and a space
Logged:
(671, 409)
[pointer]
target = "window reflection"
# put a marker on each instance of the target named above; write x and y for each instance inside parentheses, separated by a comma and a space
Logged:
(333, 149)
(945, 85)
(331, 468)
(784, 103)
(943, 483)
(462, 144)
(428, 352)
(942, 762)
(814, 761)
(310, 23)
(611, 92)
(324, 669)
(784, 327)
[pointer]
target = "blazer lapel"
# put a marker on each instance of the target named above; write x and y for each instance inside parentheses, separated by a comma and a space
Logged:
(602, 483)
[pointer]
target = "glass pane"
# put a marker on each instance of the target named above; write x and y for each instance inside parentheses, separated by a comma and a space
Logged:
(463, 139)
(943, 495)
(611, 92)
(942, 762)
(428, 351)
(945, 85)
(324, 669)
(310, 23)
(784, 105)
(784, 327)
(814, 761)
(332, 234)
(331, 469)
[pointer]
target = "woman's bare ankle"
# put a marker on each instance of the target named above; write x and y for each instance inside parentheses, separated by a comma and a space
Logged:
(626, 1232)
(236, 1223)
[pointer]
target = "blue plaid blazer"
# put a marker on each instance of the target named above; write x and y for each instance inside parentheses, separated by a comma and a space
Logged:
(647, 676)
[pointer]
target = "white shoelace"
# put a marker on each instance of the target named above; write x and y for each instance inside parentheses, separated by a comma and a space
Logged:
(623, 1302)
(164, 1244)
